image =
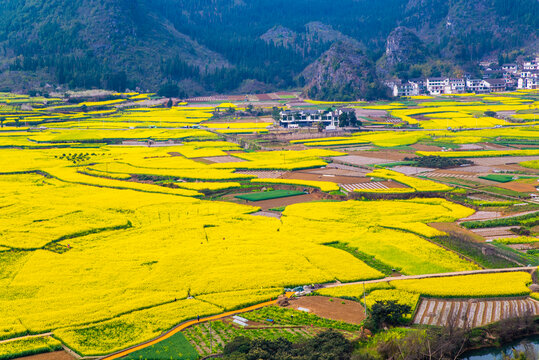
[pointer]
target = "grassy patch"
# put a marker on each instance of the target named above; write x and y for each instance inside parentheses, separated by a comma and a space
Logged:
(175, 347)
(498, 178)
(501, 191)
(268, 195)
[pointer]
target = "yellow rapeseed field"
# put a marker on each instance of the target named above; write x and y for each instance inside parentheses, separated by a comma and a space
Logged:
(482, 285)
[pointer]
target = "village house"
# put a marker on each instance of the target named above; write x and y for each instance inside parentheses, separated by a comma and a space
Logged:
(528, 82)
(454, 86)
(531, 65)
(308, 118)
(406, 88)
(510, 68)
(476, 85)
(495, 85)
(435, 85)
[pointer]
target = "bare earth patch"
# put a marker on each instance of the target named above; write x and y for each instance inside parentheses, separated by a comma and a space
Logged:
(57, 355)
(331, 308)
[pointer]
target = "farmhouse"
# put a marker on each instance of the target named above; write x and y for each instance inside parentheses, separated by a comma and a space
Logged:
(476, 85)
(308, 118)
(529, 79)
(411, 87)
(435, 85)
(495, 85)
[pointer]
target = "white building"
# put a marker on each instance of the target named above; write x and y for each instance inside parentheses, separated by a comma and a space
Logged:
(528, 83)
(407, 88)
(510, 68)
(476, 86)
(531, 65)
(435, 85)
(308, 118)
(454, 86)
(528, 79)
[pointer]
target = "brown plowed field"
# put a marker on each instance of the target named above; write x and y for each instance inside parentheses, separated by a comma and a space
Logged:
(57, 355)
(331, 308)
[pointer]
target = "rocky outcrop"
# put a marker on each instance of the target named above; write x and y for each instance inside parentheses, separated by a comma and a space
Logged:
(320, 32)
(343, 72)
(404, 46)
(280, 36)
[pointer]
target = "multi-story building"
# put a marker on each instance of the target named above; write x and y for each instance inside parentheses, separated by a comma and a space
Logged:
(528, 79)
(476, 85)
(308, 118)
(531, 65)
(495, 85)
(435, 85)
(510, 68)
(454, 86)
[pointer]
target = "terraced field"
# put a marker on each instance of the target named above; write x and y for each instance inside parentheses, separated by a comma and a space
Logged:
(473, 312)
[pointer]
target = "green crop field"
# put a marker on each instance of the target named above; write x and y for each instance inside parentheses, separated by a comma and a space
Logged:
(268, 195)
(498, 178)
(175, 347)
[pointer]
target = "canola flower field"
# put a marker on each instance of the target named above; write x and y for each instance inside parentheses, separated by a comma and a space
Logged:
(107, 243)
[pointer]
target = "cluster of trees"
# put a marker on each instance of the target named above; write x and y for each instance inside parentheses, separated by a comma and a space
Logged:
(438, 162)
(327, 345)
(348, 119)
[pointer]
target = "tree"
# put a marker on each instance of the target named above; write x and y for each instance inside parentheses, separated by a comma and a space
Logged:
(344, 120)
(276, 113)
(2, 121)
(388, 313)
(320, 126)
(352, 118)
(169, 103)
(17, 122)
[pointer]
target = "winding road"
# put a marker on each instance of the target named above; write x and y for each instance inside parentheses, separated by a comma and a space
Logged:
(189, 323)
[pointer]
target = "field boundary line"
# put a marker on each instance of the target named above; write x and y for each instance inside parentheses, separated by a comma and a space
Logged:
(26, 337)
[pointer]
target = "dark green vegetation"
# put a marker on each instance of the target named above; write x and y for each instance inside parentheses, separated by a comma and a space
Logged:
(268, 195)
(327, 345)
(438, 162)
(255, 46)
(498, 178)
(387, 313)
(175, 347)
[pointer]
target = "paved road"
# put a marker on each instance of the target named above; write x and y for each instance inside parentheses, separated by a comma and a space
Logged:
(426, 276)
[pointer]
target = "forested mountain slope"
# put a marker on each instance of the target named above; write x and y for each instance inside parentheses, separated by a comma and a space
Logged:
(222, 45)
